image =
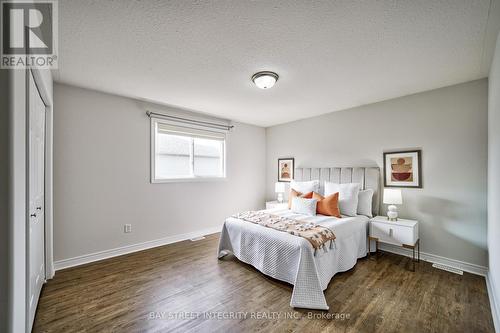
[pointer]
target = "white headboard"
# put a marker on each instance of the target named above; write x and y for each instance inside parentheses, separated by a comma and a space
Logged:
(368, 177)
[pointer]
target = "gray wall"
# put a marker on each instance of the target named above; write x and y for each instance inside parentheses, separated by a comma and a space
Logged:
(102, 177)
(448, 124)
(494, 177)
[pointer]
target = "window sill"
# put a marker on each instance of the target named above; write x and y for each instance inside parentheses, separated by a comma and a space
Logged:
(189, 180)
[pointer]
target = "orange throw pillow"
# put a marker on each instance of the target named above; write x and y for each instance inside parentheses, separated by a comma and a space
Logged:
(327, 205)
(294, 193)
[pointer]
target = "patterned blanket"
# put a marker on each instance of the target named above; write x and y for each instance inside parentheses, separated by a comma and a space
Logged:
(317, 235)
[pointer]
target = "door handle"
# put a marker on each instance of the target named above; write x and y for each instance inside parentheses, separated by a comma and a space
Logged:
(38, 208)
(390, 232)
(33, 215)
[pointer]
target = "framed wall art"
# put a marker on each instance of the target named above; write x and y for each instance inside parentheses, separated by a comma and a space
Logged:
(285, 169)
(403, 169)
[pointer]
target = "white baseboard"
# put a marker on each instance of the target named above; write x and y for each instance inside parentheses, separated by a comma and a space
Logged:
(494, 305)
(91, 257)
(435, 259)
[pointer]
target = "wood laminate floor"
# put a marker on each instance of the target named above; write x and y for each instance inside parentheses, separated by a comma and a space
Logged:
(183, 287)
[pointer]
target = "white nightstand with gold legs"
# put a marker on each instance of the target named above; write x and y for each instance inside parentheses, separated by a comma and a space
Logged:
(400, 233)
(276, 204)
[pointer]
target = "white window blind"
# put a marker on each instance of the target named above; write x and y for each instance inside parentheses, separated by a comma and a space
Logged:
(184, 152)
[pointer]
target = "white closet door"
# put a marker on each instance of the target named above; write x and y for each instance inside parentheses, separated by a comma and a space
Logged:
(36, 181)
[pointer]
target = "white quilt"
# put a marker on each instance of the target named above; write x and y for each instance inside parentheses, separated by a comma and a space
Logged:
(291, 258)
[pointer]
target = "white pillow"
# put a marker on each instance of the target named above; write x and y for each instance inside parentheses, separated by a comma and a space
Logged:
(348, 196)
(365, 202)
(304, 206)
(305, 187)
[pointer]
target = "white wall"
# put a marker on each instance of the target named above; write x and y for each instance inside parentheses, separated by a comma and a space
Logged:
(16, 189)
(4, 198)
(17, 203)
(448, 124)
(102, 177)
(494, 183)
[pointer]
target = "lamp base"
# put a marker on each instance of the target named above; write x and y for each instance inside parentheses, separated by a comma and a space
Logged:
(280, 197)
(392, 213)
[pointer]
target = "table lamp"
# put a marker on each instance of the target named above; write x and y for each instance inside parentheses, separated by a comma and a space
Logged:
(279, 188)
(392, 197)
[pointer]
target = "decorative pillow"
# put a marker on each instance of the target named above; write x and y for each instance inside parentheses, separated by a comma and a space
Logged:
(294, 194)
(304, 206)
(348, 196)
(329, 205)
(365, 202)
(305, 187)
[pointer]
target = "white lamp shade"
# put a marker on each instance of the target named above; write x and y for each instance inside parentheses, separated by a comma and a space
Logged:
(279, 187)
(392, 196)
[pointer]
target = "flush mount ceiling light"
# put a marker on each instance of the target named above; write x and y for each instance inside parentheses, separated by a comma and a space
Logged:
(265, 80)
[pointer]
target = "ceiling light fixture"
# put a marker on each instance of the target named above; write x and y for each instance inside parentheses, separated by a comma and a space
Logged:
(265, 80)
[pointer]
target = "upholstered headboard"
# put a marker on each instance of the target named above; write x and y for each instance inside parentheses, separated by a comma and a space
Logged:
(368, 177)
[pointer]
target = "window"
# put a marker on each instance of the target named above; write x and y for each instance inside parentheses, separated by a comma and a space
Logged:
(186, 153)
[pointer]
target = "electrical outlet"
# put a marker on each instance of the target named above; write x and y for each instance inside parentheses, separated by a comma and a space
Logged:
(127, 228)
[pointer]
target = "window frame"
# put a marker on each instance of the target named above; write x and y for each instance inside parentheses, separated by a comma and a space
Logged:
(154, 129)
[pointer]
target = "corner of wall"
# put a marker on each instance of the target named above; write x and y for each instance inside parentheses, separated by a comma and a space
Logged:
(493, 227)
(494, 301)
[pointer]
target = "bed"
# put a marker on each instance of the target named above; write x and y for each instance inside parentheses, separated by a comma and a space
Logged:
(292, 259)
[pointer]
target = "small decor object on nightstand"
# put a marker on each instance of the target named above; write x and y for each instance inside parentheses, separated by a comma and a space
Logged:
(392, 197)
(279, 188)
(285, 169)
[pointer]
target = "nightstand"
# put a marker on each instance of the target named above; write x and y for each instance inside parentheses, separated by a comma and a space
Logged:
(401, 233)
(276, 204)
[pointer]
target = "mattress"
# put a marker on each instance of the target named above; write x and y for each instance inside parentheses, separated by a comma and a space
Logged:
(291, 258)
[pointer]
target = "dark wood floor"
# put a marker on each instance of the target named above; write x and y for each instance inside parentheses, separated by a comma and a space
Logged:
(143, 291)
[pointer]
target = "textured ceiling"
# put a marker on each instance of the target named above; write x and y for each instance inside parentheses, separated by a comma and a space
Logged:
(330, 55)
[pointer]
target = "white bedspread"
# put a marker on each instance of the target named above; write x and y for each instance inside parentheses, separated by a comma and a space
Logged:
(291, 259)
